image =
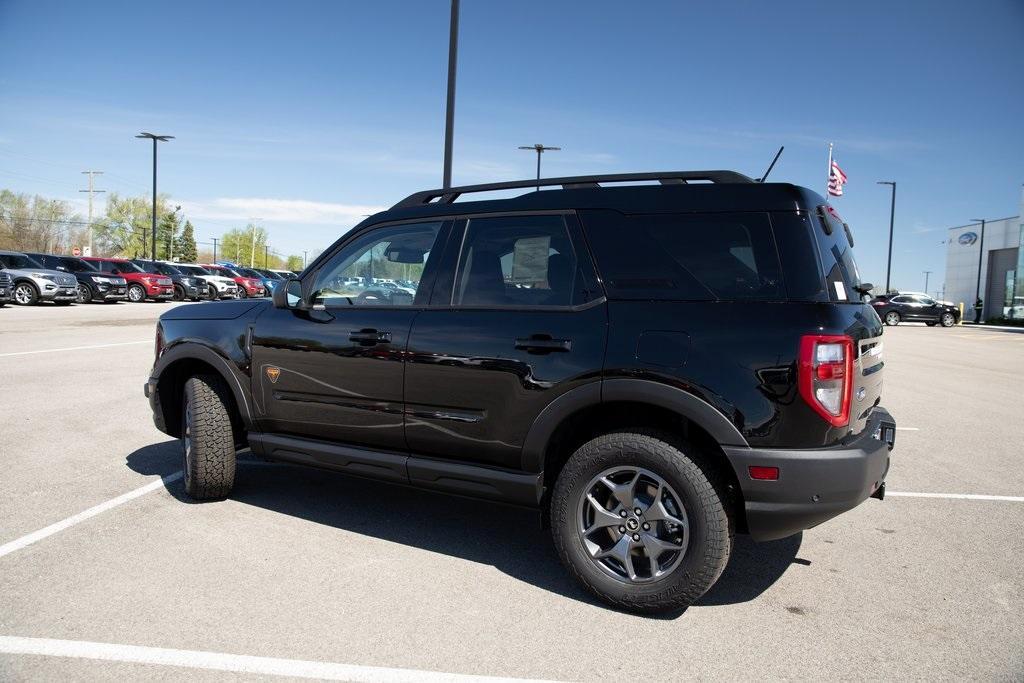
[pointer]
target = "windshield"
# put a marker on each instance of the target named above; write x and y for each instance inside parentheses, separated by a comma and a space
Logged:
(18, 261)
(249, 272)
(78, 265)
(194, 270)
(146, 266)
(123, 266)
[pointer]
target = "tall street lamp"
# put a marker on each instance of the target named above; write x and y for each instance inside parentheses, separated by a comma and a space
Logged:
(540, 149)
(449, 113)
(978, 305)
(155, 139)
(926, 274)
(892, 217)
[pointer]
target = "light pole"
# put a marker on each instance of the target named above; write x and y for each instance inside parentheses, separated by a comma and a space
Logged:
(449, 113)
(155, 139)
(926, 274)
(266, 255)
(892, 217)
(91, 191)
(978, 305)
(214, 249)
(540, 149)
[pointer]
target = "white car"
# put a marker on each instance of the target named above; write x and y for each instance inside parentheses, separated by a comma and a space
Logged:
(219, 287)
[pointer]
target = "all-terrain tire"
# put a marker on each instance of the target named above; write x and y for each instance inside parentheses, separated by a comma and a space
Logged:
(208, 444)
(701, 495)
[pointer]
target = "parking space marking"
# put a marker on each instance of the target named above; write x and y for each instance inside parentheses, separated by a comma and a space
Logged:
(74, 348)
(29, 539)
(954, 496)
(908, 429)
(218, 661)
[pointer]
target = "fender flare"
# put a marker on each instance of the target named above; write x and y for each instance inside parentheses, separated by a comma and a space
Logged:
(633, 390)
(224, 367)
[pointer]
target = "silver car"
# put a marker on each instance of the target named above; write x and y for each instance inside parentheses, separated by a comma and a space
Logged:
(32, 283)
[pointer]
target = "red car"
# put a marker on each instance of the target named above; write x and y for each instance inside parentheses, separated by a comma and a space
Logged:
(141, 285)
(247, 286)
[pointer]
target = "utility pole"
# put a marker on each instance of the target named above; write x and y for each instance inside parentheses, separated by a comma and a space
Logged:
(926, 274)
(214, 249)
(449, 113)
(304, 259)
(252, 250)
(91, 191)
(540, 149)
(266, 255)
(155, 139)
(892, 218)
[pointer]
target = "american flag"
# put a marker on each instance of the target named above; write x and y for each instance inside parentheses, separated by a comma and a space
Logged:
(836, 180)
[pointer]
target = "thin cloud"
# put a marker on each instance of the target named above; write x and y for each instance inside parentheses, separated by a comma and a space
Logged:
(273, 210)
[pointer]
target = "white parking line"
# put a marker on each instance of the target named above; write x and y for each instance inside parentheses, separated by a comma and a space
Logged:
(74, 348)
(29, 539)
(955, 496)
(219, 661)
(908, 429)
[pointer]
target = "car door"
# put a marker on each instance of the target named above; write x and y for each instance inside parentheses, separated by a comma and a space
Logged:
(332, 369)
(516, 320)
(927, 309)
(904, 305)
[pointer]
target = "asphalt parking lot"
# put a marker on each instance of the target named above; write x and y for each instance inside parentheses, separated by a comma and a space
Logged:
(341, 575)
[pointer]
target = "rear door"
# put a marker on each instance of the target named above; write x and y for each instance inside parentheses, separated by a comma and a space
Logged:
(516, 320)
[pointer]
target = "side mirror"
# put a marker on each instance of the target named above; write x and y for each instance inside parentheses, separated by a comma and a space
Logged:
(288, 294)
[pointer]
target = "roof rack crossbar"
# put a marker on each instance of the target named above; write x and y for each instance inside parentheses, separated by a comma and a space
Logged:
(449, 195)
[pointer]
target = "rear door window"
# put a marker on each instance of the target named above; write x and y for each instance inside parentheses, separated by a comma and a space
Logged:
(686, 257)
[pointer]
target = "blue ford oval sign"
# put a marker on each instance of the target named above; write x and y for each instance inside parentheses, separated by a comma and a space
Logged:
(968, 238)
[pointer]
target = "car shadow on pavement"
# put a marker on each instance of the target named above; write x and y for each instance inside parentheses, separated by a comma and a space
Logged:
(506, 537)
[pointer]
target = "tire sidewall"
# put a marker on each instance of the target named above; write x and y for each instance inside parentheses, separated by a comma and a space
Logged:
(947, 316)
(677, 470)
(84, 293)
(136, 288)
(892, 318)
(33, 294)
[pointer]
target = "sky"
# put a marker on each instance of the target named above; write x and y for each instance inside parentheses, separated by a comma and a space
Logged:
(307, 115)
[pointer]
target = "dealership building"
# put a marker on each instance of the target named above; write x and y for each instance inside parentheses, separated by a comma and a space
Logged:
(1002, 266)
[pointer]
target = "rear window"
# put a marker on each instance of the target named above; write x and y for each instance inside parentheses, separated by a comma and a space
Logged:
(686, 257)
(835, 248)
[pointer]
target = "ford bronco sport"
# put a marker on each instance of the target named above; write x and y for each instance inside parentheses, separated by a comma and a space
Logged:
(654, 366)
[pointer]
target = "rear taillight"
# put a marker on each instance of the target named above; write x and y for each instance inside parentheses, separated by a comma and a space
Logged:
(825, 375)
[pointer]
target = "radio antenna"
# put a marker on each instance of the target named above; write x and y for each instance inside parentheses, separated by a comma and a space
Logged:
(771, 165)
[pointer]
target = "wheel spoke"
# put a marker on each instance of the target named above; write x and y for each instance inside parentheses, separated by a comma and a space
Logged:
(623, 493)
(602, 517)
(657, 512)
(656, 546)
(621, 552)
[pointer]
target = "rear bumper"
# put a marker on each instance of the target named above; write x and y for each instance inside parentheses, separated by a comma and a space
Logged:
(813, 485)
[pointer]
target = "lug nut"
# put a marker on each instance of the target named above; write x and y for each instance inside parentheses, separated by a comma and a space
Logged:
(622, 529)
(622, 513)
(636, 537)
(647, 527)
(638, 511)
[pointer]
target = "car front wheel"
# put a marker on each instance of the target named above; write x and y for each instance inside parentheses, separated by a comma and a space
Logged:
(892, 318)
(136, 294)
(179, 293)
(242, 294)
(84, 294)
(25, 294)
(207, 439)
(948, 320)
(639, 523)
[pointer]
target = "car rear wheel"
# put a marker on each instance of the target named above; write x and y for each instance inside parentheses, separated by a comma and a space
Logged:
(179, 293)
(136, 294)
(639, 523)
(242, 294)
(213, 293)
(84, 293)
(25, 294)
(892, 318)
(207, 440)
(947, 320)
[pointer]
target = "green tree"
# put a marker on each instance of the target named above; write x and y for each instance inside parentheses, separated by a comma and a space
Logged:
(124, 229)
(294, 262)
(245, 246)
(185, 249)
(167, 234)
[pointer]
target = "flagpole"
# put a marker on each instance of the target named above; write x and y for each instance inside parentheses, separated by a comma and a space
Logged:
(828, 176)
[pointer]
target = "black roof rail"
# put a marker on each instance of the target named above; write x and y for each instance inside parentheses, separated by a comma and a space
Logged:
(449, 195)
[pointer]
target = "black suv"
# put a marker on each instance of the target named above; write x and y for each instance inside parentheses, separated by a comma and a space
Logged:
(915, 308)
(655, 367)
(93, 284)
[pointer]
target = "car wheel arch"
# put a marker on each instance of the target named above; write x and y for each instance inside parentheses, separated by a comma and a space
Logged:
(188, 359)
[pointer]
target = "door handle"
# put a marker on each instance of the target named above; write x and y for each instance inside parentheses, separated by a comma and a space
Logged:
(543, 343)
(369, 337)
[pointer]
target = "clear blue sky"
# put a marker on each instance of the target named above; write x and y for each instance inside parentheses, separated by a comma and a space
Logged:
(308, 114)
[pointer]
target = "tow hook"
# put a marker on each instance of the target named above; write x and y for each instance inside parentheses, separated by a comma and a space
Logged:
(879, 492)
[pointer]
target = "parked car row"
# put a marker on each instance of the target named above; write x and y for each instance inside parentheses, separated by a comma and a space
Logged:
(915, 307)
(30, 278)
